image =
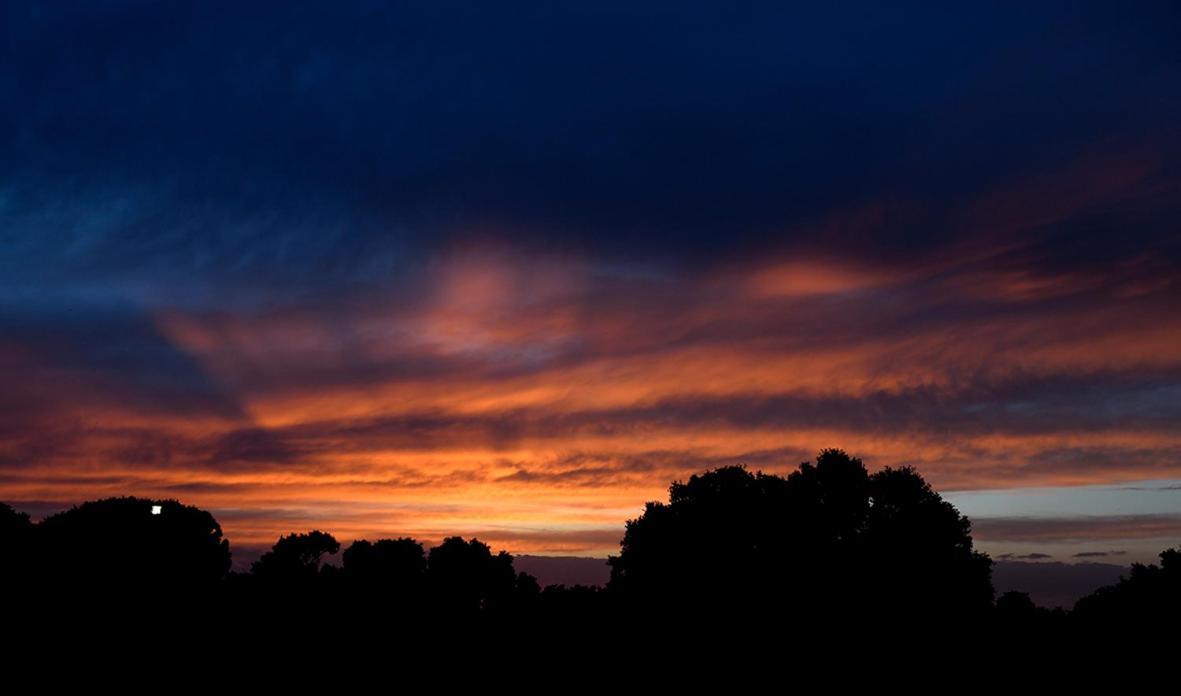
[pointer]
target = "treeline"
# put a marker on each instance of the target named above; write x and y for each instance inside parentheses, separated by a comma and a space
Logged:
(828, 545)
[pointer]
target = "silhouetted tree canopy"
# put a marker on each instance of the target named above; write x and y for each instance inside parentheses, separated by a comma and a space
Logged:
(827, 545)
(919, 548)
(393, 563)
(829, 537)
(387, 573)
(295, 558)
(465, 575)
(15, 533)
(118, 544)
(15, 529)
(13, 524)
(1015, 605)
(1149, 594)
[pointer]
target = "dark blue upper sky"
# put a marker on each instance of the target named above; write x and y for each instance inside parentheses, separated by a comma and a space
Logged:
(319, 142)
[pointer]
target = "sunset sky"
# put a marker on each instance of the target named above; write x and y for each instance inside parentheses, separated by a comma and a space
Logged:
(507, 270)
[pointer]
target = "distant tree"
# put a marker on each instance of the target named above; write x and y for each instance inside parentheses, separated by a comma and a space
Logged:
(527, 585)
(295, 558)
(13, 524)
(1149, 594)
(589, 606)
(526, 596)
(1016, 607)
(15, 537)
(393, 567)
(1022, 625)
(465, 576)
(829, 538)
(131, 545)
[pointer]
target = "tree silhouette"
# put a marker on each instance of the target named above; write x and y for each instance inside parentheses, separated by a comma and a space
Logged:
(827, 539)
(295, 558)
(381, 577)
(394, 565)
(15, 541)
(131, 545)
(13, 525)
(1016, 606)
(465, 576)
(920, 549)
(828, 546)
(1150, 594)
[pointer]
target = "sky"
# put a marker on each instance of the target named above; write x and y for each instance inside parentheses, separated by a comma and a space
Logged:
(508, 269)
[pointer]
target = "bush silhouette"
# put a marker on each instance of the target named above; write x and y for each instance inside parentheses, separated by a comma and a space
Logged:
(828, 539)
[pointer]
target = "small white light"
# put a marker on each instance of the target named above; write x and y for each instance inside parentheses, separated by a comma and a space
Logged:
(157, 509)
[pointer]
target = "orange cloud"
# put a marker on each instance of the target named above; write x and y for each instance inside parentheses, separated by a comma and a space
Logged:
(540, 402)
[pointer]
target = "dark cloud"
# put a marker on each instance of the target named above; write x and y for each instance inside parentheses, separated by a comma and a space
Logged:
(909, 411)
(573, 538)
(1034, 529)
(167, 140)
(564, 570)
(253, 445)
(99, 353)
(920, 412)
(1098, 554)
